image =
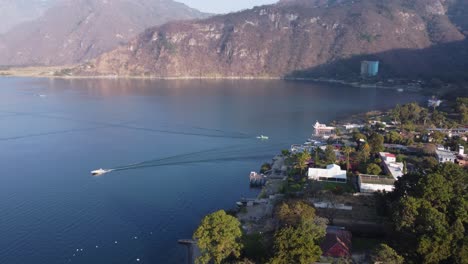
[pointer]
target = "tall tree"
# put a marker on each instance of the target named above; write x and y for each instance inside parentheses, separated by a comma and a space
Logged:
(462, 107)
(424, 116)
(298, 244)
(330, 156)
(376, 143)
(303, 160)
(297, 241)
(438, 118)
(317, 156)
(218, 237)
(395, 113)
(347, 151)
(364, 153)
(291, 213)
(393, 137)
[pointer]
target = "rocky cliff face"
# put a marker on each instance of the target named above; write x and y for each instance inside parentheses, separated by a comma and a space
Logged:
(297, 38)
(77, 30)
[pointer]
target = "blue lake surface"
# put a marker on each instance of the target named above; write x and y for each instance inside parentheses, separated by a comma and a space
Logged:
(196, 139)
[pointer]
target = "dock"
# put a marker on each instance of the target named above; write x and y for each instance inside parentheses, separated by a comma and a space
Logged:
(192, 249)
(257, 180)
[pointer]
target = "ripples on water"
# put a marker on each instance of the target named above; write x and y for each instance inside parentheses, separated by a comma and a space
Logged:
(182, 149)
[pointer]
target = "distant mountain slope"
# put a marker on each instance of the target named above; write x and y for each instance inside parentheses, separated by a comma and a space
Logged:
(295, 37)
(14, 12)
(76, 30)
(458, 13)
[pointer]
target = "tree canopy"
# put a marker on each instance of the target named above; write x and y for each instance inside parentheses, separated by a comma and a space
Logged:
(376, 143)
(297, 240)
(364, 153)
(393, 137)
(298, 244)
(291, 213)
(373, 169)
(387, 255)
(462, 107)
(330, 156)
(431, 214)
(347, 151)
(218, 237)
(303, 159)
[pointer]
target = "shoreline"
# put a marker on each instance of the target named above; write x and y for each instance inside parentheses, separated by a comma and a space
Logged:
(43, 73)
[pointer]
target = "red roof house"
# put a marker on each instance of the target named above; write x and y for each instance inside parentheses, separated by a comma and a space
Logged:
(337, 243)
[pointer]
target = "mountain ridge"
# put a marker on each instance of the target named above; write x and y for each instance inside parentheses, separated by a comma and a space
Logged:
(14, 12)
(74, 31)
(278, 40)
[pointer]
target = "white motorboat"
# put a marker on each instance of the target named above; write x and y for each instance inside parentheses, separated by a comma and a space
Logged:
(262, 137)
(99, 172)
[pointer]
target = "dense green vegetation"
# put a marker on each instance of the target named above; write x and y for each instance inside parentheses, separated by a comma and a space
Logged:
(218, 237)
(413, 117)
(385, 254)
(425, 217)
(430, 215)
(300, 233)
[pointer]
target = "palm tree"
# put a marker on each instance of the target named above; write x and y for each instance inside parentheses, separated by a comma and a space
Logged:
(348, 150)
(303, 161)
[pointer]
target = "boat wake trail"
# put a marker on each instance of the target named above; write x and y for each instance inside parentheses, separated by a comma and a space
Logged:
(185, 131)
(230, 153)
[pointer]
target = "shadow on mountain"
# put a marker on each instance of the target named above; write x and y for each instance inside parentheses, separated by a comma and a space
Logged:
(447, 61)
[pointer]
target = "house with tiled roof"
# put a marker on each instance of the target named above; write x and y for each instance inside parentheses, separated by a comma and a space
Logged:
(337, 243)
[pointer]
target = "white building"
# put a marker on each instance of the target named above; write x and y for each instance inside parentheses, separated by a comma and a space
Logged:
(352, 126)
(445, 156)
(374, 183)
(395, 169)
(434, 102)
(387, 157)
(333, 173)
(323, 130)
(461, 150)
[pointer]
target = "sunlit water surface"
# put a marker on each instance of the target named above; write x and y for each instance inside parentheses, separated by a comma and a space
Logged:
(195, 142)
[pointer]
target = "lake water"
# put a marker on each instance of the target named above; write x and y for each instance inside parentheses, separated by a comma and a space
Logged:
(196, 139)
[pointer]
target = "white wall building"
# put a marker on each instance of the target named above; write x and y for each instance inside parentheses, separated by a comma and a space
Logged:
(374, 183)
(387, 157)
(445, 156)
(395, 169)
(332, 173)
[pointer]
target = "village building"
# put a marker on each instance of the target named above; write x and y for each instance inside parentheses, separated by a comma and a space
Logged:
(332, 173)
(393, 168)
(375, 183)
(369, 68)
(462, 161)
(352, 126)
(462, 158)
(257, 179)
(323, 130)
(337, 243)
(433, 102)
(450, 132)
(444, 156)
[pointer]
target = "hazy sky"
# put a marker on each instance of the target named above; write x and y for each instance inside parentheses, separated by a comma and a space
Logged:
(224, 6)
